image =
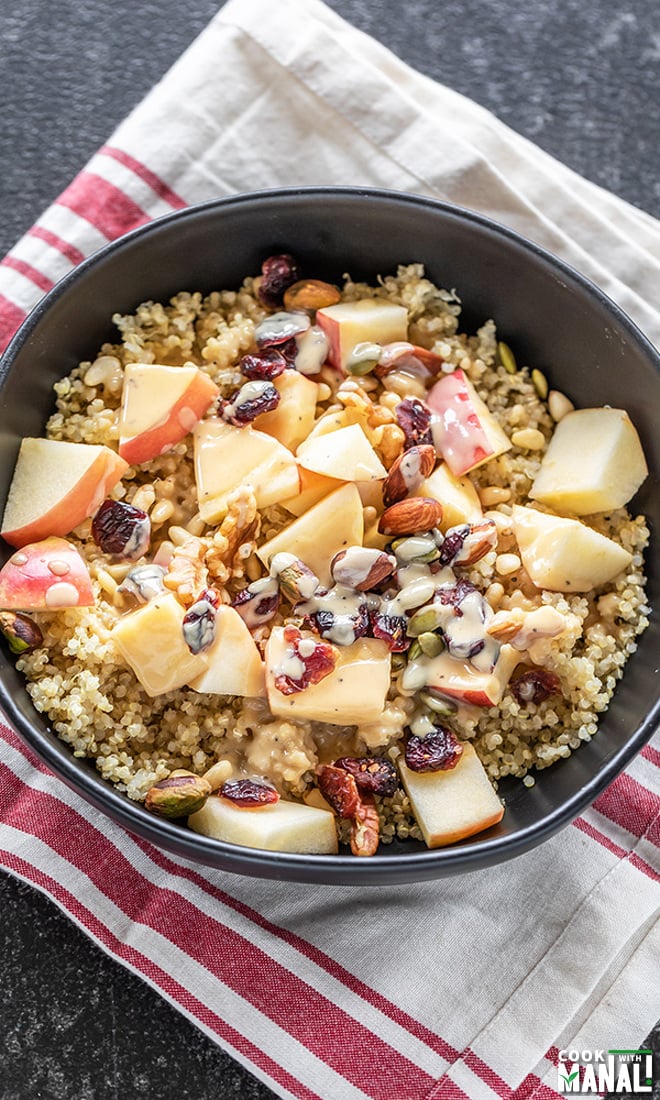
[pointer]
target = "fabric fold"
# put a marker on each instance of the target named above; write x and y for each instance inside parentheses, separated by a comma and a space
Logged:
(463, 987)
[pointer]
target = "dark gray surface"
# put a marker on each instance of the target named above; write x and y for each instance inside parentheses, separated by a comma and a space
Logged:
(580, 79)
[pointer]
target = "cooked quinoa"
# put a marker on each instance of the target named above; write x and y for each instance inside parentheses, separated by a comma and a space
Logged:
(93, 699)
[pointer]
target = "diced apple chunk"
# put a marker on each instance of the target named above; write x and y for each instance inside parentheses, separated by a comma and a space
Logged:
(458, 496)
(226, 457)
(313, 488)
(564, 555)
(452, 805)
(293, 419)
(277, 827)
(594, 463)
(349, 323)
(55, 486)
(315, 537)
(45, 576)
(461, 680)
(234, 663)
(151, 641)
(160, 406)
(345, 454)
(353, 693)
(465, 432)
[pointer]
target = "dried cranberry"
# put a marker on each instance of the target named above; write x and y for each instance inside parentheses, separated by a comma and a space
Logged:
(454, 594)
(249, 792)
(317, 660)
(365, 830)
(211, 595)
(330, 624)
(339, 788)
(253, 399)
(258, 603)
(535, 686)
(453, 543)
(277, 274)
(373, 774)
(264, 365)
(390, 629)
(468, 543)
(199, 626)
(121, 529)
(439, 751)
(414, 417)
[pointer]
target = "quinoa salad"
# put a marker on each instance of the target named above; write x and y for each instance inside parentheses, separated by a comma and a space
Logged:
(308, 565)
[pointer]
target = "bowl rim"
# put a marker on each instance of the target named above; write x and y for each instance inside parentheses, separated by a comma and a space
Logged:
(387, 867)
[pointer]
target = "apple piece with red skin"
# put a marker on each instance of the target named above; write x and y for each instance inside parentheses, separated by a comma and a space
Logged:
(465, 432)
(459, 679)
(45, 576)
(160, 406)
(369, 320)
(56, 485)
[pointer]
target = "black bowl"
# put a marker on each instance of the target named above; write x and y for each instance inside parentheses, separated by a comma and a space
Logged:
(555, 319)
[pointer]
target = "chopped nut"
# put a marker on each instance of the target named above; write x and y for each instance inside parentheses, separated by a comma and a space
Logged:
(296, 580)
(218, 774)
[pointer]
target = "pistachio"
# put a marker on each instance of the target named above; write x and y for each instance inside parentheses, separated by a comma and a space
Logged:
(431, 644)
(182, 793)
(296, 580)
(408, 517)
(311, 294)
(438, 704)
(506, 357)
(363, 358)
(426, 619)
(416, 549)
(21, 633)
(415, 651)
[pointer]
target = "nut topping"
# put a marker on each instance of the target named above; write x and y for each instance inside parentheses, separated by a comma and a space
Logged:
(295, 579)
(362, 567)
(311, 294)
(20, 632)
(408, 472)
(408, 517)
(182, 793)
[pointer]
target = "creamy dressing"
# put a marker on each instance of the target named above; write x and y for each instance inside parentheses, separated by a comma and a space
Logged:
(312, 351)
(344, 604)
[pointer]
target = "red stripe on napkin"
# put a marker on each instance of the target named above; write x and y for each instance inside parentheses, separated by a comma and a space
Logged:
(335, 1037)
(649, 753)
(69, 250)
(29, 272)
(628, 804)
(616, 849)
(157, 185)
(156, 975)
(104, 205)
(11, 318)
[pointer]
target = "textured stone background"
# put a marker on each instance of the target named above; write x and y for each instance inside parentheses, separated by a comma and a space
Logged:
(579, 78)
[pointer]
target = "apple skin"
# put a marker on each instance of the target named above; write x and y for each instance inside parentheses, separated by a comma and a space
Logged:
(83, 500)
(45, 576)
(465, 432)
(461, 681)
(369, 319)
(183, 416)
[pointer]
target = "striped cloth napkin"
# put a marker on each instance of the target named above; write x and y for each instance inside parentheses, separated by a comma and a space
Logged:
(468, 987)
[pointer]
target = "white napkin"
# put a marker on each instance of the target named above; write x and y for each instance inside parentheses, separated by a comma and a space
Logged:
(464, 987)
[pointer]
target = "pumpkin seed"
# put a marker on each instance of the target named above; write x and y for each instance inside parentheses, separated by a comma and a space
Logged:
(507, 358)
(431, 644)
(540, 383)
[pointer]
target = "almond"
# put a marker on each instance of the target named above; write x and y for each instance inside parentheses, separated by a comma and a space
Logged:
(408, 472)
(362, 567)
(311, 294)
(411, 516)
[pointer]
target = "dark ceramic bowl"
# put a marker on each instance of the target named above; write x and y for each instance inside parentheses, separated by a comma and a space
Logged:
(553, 317)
